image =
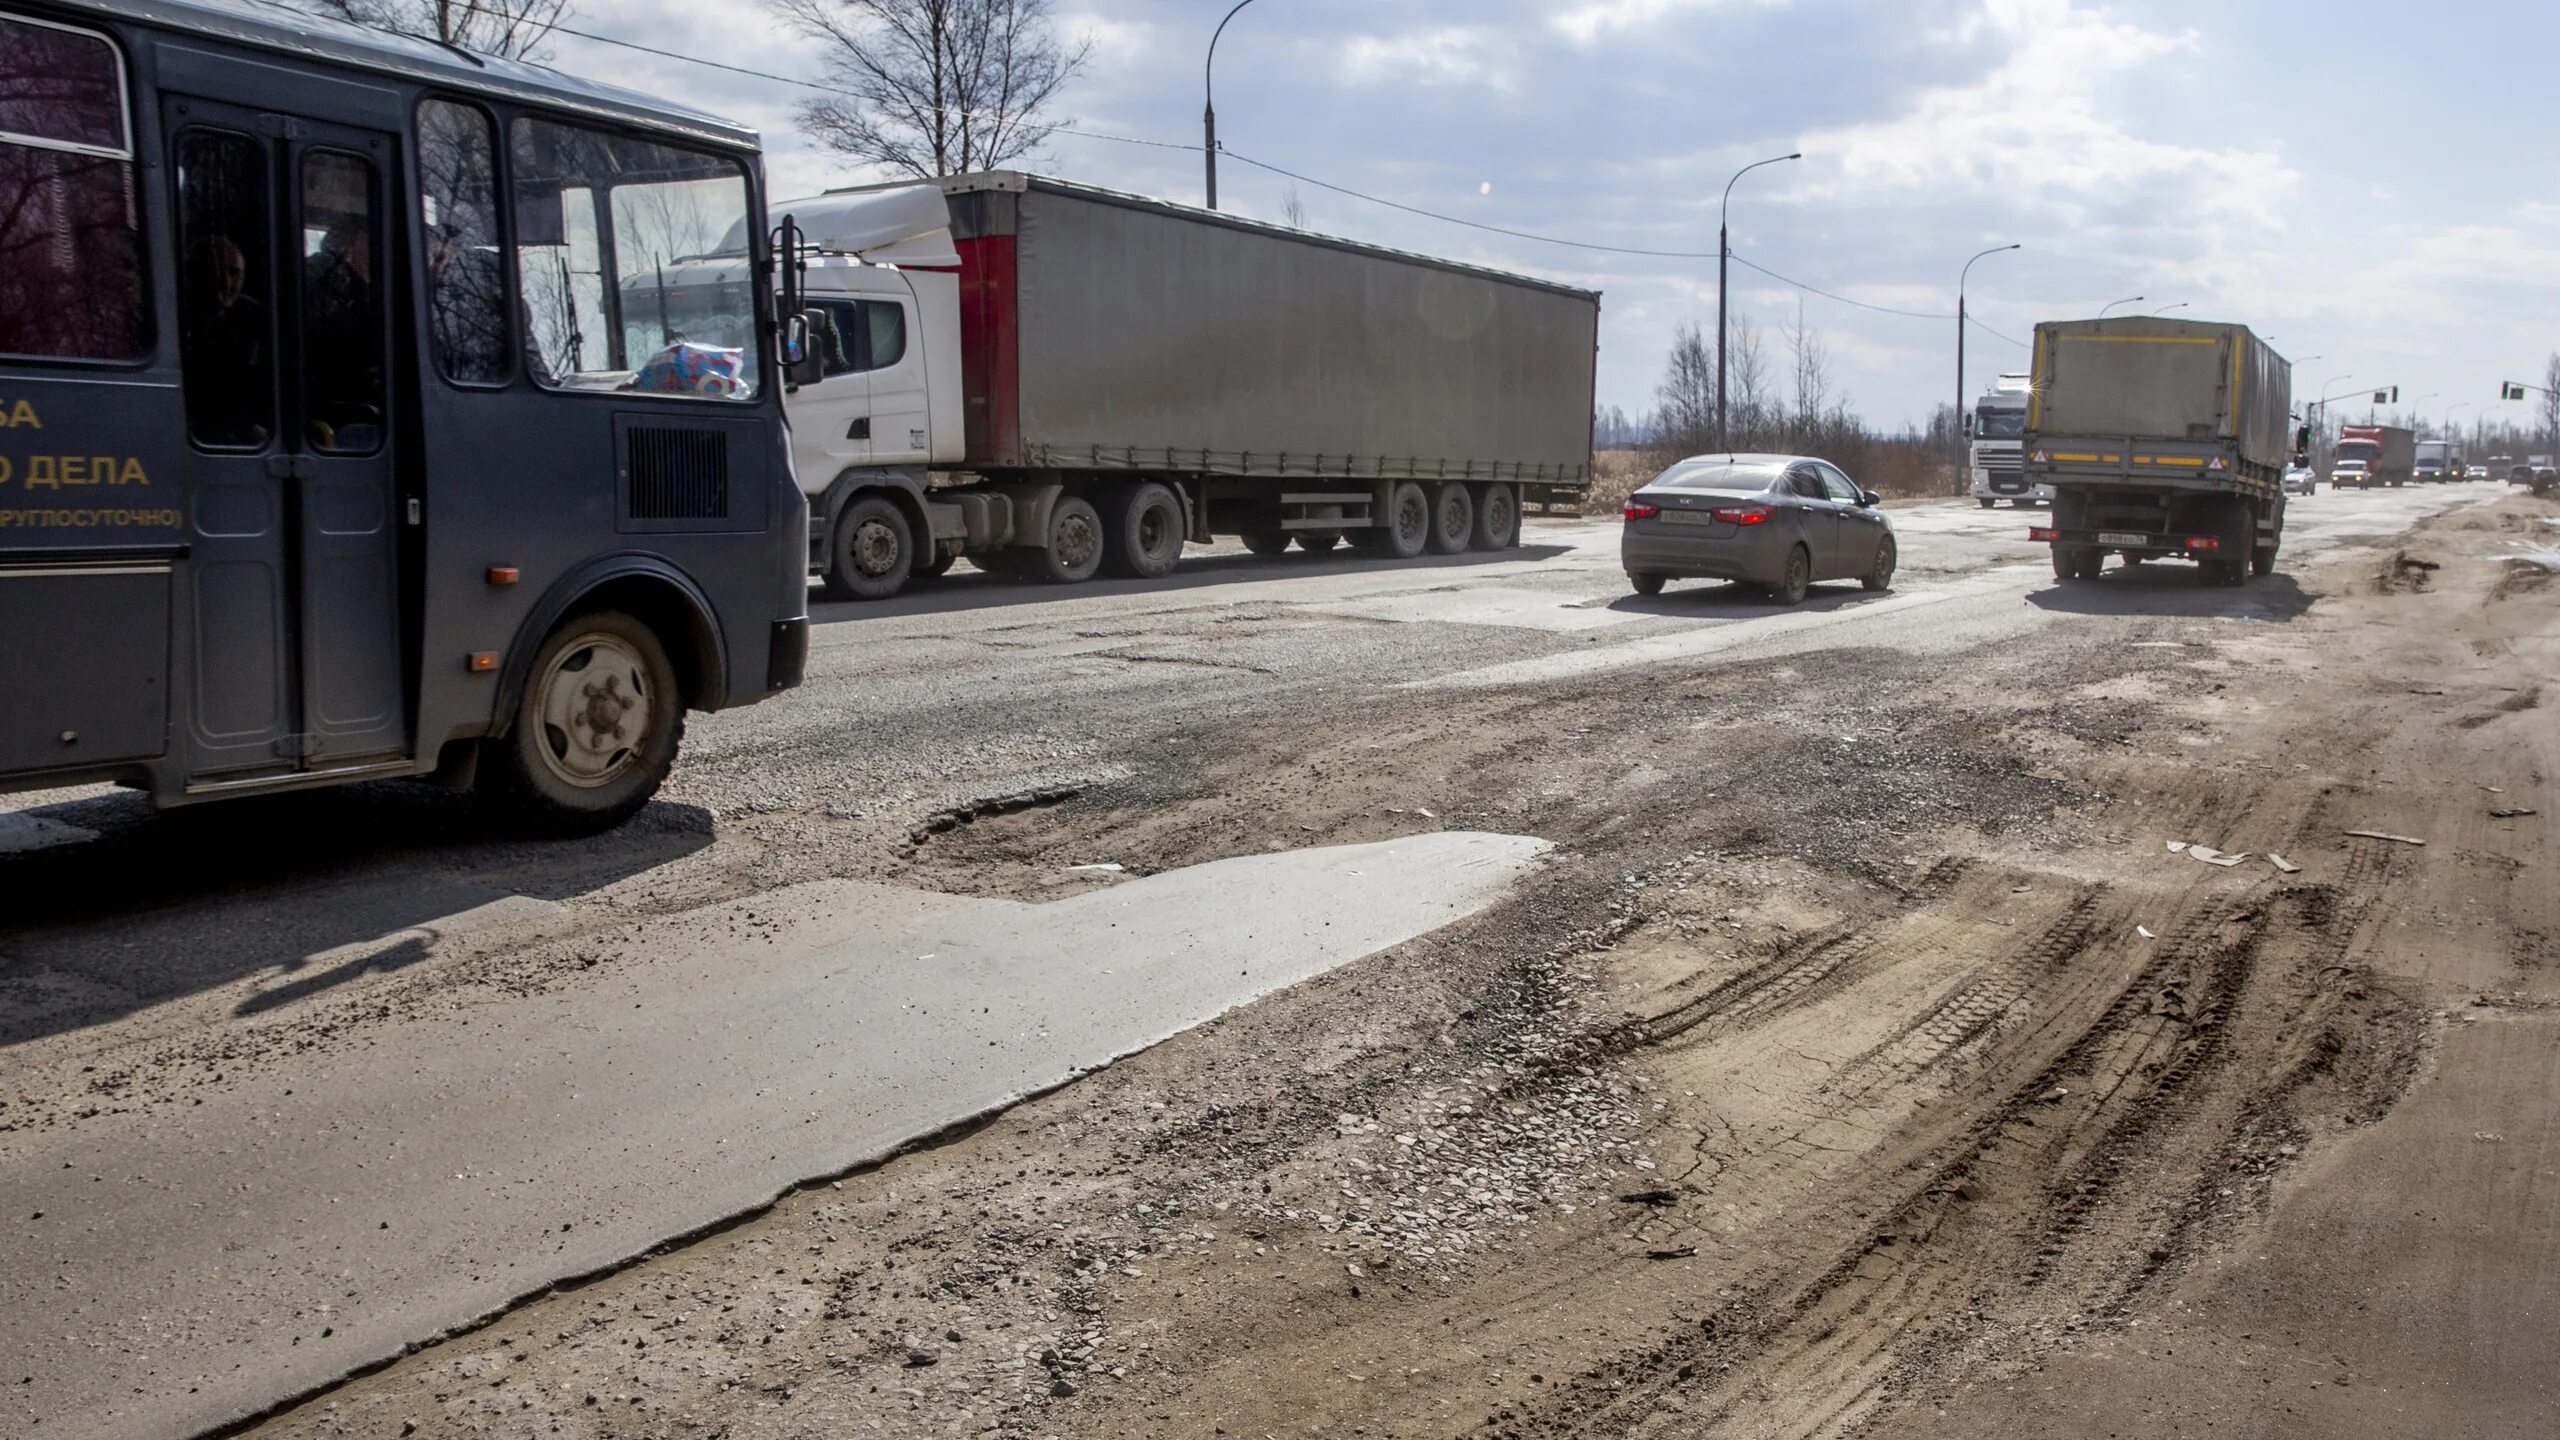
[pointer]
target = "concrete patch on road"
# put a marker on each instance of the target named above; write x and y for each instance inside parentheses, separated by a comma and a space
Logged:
(1481, 605)
(188, 1268)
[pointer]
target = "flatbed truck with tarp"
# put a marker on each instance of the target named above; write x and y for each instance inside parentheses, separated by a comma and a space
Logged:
(2162, 439)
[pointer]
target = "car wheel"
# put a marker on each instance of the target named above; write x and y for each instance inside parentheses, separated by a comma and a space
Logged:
(1645, 583)
(870, 550)
(1879, 575)
(1075, 547)
(1497, 524)
(1266, 542)
(1799, 578)
(1453, 518)
(1144, 537)
(595, 731)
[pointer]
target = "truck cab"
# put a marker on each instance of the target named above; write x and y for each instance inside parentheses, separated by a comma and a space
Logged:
(1997, 464)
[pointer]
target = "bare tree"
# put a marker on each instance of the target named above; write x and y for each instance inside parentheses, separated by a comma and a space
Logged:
(515, 29)
(1686, 422)
(1293, 210)
(1747, 378)
(2551, 403)
(934, 87)
(1809, 361)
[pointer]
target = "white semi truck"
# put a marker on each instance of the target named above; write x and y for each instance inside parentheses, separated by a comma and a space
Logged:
(1057, 381)
(1999, 420)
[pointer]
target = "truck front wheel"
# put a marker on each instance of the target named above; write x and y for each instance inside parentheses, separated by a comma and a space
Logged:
(595, 731)
(1144, 536)
(1075, 547)
(870, 550)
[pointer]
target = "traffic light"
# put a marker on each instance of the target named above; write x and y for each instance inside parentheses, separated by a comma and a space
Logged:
(2390, 396)
(2510, 391)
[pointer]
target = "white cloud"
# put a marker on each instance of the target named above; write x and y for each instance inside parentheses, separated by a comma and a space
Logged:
(2031, 131)
(1591, 19)
(1448, 55)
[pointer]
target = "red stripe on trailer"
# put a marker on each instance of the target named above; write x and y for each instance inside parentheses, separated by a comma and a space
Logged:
(991, 349)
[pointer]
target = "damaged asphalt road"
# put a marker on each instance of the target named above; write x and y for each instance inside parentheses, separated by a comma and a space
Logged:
(1857, 939)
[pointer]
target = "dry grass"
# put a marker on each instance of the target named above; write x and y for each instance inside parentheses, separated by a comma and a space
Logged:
(1894, 470)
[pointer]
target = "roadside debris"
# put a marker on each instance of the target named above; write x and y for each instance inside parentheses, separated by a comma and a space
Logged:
(2211, 856)
(2145, 932)
(1677, 1252)
(2281, 863)
(2384, 835)
(1102, 869)
(2512, 812)
(1655, 1198)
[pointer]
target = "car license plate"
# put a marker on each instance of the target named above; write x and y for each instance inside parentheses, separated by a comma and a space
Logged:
(1688, 517)
(2118, 537)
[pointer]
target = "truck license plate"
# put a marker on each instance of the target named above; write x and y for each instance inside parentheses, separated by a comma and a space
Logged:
(2118, 537)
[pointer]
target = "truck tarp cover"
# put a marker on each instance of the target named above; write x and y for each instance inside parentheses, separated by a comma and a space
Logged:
(2177, 380)
(1144, 328)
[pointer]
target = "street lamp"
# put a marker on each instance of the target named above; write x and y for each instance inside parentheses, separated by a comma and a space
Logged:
(2165, 309)
(2110, 305)
(1724, 253)
(1209, 104)
(1962, 424)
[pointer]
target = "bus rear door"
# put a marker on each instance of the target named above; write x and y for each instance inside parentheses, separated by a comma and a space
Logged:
(287, 245)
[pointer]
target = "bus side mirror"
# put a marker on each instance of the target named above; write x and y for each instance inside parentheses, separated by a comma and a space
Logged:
(801, 362)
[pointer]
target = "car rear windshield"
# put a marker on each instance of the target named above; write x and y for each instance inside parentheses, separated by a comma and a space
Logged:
(1717, 475)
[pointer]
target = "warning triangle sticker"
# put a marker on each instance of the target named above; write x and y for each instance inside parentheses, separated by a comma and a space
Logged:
(2041, 458)
(2216, 465)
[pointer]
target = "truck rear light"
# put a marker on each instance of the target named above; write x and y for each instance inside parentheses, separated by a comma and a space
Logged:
(2039, 532)
(1743, 514)
(2203, 542)
(1638, 510)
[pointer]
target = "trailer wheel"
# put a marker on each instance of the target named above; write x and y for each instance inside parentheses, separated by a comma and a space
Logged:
(1407, 531)
(1453, 517)
(1143, 531)
(1318, 542)
(870, 550)
(1266, 542)
(595, 731)
(1076, 543)
(1497, 524)
(2073, 562)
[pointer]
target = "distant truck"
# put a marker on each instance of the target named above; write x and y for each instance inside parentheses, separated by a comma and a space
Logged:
(1999, 420)
(1058, 381)
(2436, 463)
(2382, 454)
(2162, 439)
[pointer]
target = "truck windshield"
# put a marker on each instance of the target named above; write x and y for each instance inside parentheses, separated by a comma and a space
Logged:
(1992, 423)
(2358, 450)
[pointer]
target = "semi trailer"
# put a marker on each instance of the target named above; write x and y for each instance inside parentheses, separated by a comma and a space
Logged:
(1057, 381)
(2162, 439)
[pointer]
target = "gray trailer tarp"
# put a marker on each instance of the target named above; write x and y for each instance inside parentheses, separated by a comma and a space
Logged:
(1115, 331)
(2179, 382)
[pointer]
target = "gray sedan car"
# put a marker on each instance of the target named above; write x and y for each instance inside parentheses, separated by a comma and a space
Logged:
(1781, 522)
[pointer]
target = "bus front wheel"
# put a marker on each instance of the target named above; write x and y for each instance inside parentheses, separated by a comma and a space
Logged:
(596, 729)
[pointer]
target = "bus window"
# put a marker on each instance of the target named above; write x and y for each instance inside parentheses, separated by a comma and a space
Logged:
(225, 325)
(70, 258)
(342, 346)
(458, 205)
(599, 217)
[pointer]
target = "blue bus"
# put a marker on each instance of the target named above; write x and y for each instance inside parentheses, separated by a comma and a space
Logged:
(332, 445)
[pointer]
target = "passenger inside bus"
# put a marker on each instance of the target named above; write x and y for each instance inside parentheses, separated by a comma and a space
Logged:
(224, 336)
(341, 338)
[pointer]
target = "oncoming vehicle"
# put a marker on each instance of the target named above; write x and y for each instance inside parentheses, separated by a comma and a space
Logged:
(2301, 480)
(1779, 522)
(2347, 474)
(334, 450)
(1999, 421)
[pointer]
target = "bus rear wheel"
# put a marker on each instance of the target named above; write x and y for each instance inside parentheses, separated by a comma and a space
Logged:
(595, 731)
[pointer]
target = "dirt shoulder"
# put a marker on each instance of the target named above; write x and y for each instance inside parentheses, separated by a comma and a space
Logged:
(1865, 1064)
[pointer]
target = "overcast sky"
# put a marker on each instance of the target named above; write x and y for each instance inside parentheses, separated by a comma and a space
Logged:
(2375, 185)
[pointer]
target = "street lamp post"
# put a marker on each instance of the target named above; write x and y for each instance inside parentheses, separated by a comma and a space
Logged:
(2165, 309)
(1962, 427)
(2110, 305)
(1724, 253)
(1209, 104)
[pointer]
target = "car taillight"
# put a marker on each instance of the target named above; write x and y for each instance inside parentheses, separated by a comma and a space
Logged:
(1744, 515)
(1638, 510)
